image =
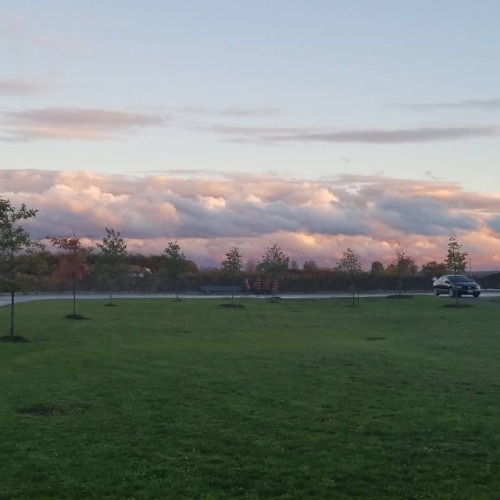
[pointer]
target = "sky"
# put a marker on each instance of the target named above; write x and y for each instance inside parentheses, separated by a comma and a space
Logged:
(318, 125)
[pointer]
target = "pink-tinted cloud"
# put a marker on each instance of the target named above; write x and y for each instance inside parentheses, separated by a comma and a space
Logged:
(310, 218)
(22, 86)
(74, 123)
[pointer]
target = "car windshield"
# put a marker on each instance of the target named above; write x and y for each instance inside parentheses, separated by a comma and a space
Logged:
(459, 279)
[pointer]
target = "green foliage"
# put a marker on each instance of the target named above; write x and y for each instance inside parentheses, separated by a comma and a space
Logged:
(308, 400)
(17, 252)
(174, 263)
(112, 260)
(231, 266)
(456, 260)
(233, 263)
(274, 263)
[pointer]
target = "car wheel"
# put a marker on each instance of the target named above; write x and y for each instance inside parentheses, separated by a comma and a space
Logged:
(436, 293)
(476, 294)
(451, 292)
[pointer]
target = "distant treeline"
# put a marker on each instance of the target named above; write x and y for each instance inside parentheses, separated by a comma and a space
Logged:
(145, 274)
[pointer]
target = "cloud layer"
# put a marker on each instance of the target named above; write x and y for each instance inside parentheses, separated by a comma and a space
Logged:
(309, 219)
(98, 124)
(73, 123)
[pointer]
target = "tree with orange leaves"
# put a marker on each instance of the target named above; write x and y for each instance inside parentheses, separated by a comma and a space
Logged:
(72, 263)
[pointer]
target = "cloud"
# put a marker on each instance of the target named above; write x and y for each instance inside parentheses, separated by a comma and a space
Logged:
(74, 123)
(92, 124)
(310, 218)
(422, 215)
(467, 104)
(21, 86)
(235, 111)
(367, 136)
(494, 224)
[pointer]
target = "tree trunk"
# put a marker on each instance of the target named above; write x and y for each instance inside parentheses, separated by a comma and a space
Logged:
(12, 294)
(73, 283)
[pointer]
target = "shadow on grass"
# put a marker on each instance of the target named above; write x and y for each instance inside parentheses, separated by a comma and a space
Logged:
(110, 304)
(237, 306)
(49, 410)
(75, 316)
(275, 300)
(13, 338)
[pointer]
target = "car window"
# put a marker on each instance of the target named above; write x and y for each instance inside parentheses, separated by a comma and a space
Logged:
(460, 279)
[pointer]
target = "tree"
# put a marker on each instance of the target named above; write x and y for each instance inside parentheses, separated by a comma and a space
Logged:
(456, 260)
(112, 261)
(174, 263)
(72, 263)
(401, 263)
(232, 266)
(350, 263)
(433, 269)
(310, 266)
(15, 249)
(274, 264)
(377, 267)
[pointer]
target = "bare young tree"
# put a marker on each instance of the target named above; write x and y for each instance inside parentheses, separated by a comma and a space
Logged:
(401, 263)
(231, 266)
(15, 248)
(350, 263)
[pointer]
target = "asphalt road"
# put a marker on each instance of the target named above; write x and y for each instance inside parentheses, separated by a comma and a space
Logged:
(5, 298)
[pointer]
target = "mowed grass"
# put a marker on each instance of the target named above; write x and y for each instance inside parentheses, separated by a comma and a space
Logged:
(298, 399)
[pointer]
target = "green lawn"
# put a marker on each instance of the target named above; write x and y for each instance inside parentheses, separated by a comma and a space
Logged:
(299, 399)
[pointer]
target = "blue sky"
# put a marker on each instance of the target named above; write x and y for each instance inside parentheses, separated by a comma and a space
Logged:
(317, 91)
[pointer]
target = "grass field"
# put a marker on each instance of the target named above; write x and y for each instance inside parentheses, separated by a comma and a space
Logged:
(299, 399)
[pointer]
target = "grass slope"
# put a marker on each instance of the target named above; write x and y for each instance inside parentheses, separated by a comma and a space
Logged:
(300, 399)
